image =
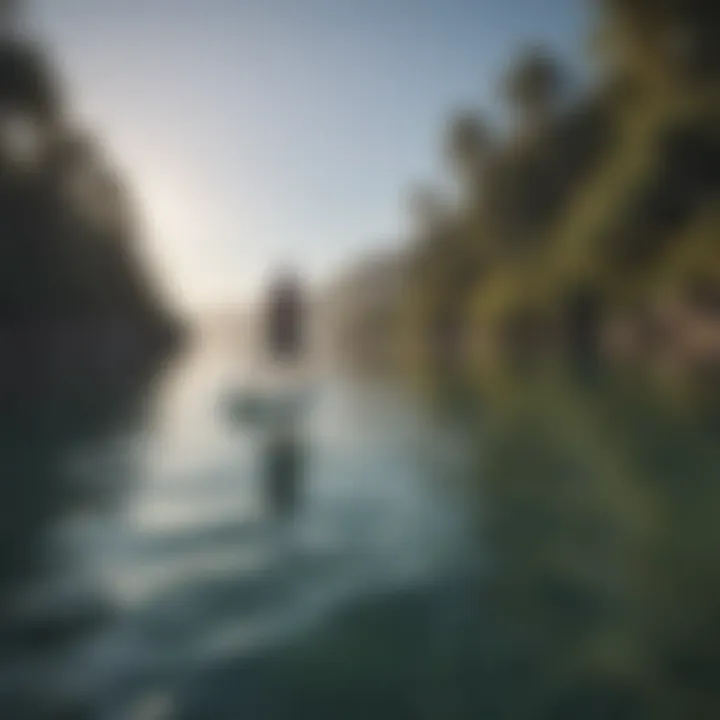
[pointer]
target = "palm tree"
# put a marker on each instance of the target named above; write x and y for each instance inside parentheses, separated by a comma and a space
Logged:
(662, 40)
(533, 87)
(428, 211)
(468, 144)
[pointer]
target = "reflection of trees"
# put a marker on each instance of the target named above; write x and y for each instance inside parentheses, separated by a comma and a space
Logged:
(43, 427)
(598, 516)
(51, 604)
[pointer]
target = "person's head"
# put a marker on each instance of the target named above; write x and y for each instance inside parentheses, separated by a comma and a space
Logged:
(285, 278)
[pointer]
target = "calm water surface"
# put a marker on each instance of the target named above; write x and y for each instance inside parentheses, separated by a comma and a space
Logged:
(550, 553)
(169, 553)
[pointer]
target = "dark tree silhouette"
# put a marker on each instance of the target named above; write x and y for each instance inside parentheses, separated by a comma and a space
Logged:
(428, 210)
(468, 145)
(533, 87)
(70, 248)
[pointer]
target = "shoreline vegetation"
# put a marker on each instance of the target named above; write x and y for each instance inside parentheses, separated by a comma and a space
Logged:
(588, 227)
(76, 300)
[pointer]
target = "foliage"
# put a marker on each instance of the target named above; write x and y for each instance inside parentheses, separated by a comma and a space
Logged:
(589, 206)
(69, 257)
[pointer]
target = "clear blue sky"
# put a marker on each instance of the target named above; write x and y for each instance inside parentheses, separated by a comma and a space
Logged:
(258, 130)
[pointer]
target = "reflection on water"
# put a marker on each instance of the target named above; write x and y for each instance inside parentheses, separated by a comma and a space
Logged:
(283, 472)
(545, 551)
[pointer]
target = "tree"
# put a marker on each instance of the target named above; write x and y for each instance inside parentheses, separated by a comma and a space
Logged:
(534, 86)
(27, 84)
(656, 41)
(428, 210)
(468, 143)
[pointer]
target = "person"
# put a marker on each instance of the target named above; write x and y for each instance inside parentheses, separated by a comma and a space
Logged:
(285, 319)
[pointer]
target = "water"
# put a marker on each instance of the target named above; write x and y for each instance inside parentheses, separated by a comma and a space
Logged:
(547, 550)
(173, 555)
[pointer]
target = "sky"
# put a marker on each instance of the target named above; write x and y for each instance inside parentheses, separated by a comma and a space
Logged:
(259, 133)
